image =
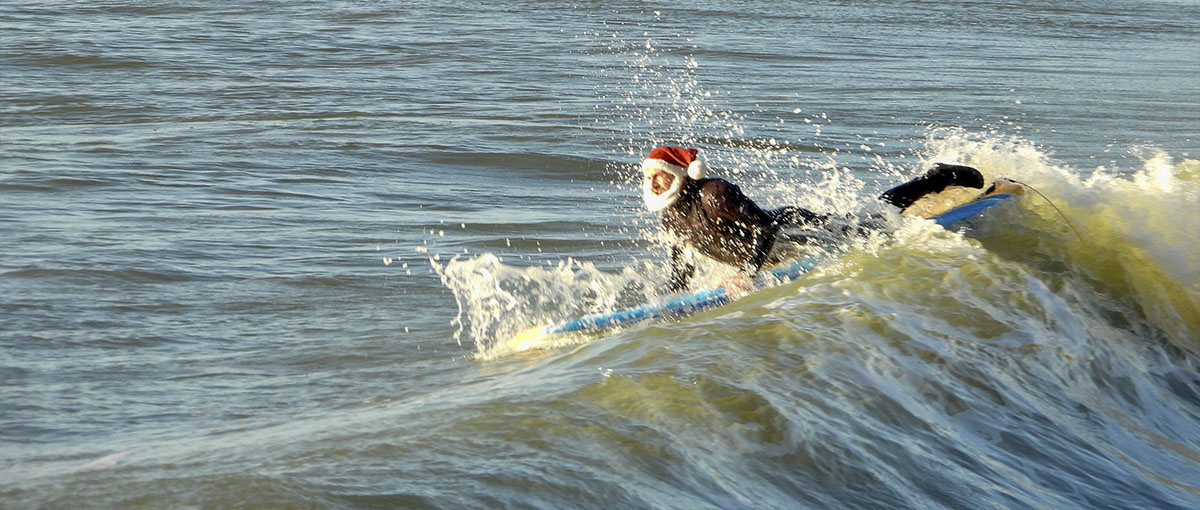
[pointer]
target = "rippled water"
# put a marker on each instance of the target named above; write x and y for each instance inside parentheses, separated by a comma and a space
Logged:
(266, 255)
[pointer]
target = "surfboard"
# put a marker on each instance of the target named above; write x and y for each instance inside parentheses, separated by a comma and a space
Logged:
(688, 303)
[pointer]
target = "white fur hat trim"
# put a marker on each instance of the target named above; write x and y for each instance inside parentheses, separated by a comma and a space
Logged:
(659, 201)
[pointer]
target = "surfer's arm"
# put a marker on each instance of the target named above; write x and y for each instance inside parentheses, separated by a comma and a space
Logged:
(764, 238)
(726, 201)
(681, 271)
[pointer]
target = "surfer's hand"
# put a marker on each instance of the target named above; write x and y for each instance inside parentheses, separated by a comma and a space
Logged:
(738, 285)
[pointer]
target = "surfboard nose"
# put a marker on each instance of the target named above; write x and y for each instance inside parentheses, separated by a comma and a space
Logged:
(528, 338)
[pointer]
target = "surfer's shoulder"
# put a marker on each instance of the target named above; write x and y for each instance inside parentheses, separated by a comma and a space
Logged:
(720, 193)
(716, 188)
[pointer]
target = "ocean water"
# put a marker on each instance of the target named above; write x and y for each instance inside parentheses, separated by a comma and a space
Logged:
(268, 255)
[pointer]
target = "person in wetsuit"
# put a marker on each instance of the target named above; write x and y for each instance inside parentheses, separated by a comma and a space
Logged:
(713, 216)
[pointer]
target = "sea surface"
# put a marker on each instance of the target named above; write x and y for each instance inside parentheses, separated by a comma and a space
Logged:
(269, 255)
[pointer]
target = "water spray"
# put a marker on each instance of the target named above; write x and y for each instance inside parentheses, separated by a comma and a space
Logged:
(1060, 213)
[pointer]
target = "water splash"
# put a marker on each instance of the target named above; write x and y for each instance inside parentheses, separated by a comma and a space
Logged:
(1137, 245)
(1136, 227)
(496, 301)
(1140, 225)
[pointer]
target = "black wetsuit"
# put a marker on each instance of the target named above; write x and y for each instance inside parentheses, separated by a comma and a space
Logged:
(715, 218)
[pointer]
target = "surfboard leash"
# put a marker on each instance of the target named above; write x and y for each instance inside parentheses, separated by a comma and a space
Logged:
(1051, 202)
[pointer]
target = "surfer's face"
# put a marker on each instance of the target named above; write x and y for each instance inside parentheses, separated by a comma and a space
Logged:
(660, 182)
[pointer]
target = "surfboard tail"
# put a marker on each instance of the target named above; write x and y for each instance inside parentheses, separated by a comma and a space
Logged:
(1005, 185)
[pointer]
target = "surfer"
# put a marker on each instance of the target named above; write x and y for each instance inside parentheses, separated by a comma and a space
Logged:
(713, 217)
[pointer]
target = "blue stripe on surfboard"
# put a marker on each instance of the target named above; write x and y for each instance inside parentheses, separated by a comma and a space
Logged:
(704, 299)
(969, 210)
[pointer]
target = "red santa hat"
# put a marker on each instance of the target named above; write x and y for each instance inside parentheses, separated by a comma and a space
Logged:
(677, 161)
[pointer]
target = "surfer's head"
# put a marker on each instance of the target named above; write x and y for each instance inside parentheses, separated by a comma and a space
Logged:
(664, 172)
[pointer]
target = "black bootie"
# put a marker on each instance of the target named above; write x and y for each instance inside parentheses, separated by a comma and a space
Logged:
(935, 180)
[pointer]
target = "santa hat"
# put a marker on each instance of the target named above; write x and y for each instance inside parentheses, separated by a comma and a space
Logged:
(676, 161)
